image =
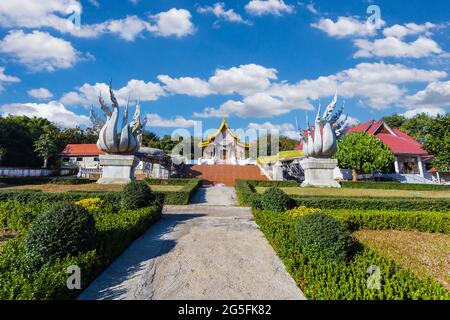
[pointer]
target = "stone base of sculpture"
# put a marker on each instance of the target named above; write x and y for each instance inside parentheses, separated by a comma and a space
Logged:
(118, 168)
(319, 172)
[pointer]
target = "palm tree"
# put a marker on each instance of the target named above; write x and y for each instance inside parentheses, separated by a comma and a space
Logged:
(45, 147)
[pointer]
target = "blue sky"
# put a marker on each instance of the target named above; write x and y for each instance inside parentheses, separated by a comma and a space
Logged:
(260, 63)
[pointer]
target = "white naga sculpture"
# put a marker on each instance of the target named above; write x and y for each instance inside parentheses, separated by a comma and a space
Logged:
(322, 141)
(320, 144)
(109, 140)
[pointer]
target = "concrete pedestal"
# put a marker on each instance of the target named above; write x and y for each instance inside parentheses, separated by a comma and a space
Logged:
(117, 168)
(319, 172)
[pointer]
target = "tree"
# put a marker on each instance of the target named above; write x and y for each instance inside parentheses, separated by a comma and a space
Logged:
(415, 127)
(437, 142)
(166, 144)
(363, 153)
(45, 147)
(149, 138)
(394, 121)
(2, 153)
(17, 135)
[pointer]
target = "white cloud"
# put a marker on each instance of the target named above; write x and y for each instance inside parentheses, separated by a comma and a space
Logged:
(175, 22)
(95, 3)
(37, 14)
(269, 126)
(39, 51)
(432, 112)
(87, 94)
(53, 14)
(435, 95)
(244, 80)
(379, 85)
(186, 85)
(218, 9)
(40, 93)
(401, 31)
(154, 120)
(4, 78)
(345, 27)
(53, 111)
(395, 47)
(266, 7)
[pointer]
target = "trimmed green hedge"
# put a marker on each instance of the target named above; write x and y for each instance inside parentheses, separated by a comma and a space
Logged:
(180, 197)
(269, 183)
(369, 203)
(247, 196)
(393, 186)
(324, 280)
(116, 230)
(44, 180)
(425, 221)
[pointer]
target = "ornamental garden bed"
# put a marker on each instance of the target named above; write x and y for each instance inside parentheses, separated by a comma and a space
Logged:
(37, 217)
(380, 263)
(173, 191)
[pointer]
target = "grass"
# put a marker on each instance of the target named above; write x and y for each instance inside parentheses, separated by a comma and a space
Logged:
(425, 254)
(86, 187)
(361, 192)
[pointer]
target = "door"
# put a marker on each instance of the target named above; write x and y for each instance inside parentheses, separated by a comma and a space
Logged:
(224, 154)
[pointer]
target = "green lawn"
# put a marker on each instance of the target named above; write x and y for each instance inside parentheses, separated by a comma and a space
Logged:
(86, 187)
(425, 254)
(361, 192)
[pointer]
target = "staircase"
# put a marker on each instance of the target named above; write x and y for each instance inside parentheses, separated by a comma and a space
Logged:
(222, 173)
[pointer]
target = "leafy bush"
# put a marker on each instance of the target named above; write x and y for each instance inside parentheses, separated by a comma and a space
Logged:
(272, 183)
(116, 229)
(369, 203)
(426, 221)
(180, 197)
(244, 192)
(326, 280)
(136, 195)
(64, 229)
(393, 186)
(17, 215)
(90, 203)
(274, 199)
(322, 237)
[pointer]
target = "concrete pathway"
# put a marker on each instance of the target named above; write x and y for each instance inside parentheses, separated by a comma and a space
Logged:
(198, 252)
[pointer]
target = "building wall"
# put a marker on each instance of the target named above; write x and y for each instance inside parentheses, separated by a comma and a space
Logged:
(82, 161)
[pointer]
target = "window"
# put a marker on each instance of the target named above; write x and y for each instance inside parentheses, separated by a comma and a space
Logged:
(66, 159)
(79, 159)
(96, 159)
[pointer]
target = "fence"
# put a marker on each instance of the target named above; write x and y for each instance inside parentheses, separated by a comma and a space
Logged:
(19, 172)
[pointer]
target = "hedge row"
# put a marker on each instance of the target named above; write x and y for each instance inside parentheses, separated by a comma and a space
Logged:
(116, 229)
(180, 197)
(276, 184)
(321, 279)
(44, 180)
(247, 196)
(425, 221)
(393, 186)
(369, 203)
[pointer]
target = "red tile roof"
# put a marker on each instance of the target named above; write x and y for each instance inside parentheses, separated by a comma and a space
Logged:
(81, 150)
(397, 141)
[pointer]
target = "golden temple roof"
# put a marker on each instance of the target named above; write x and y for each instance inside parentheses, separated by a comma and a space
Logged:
(223, 125)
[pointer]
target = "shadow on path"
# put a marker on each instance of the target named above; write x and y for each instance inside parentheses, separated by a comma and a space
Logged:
(126, 268)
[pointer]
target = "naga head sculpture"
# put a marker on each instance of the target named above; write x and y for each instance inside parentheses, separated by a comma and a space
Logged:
(322, 141)
(126, 141)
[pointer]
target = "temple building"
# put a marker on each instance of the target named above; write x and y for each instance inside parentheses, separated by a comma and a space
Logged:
(224, 147)
(410, 157)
